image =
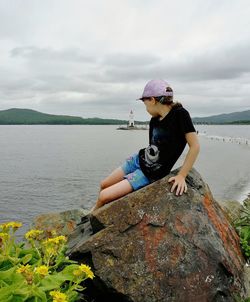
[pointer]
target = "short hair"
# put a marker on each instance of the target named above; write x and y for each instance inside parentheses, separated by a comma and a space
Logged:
(166, 99)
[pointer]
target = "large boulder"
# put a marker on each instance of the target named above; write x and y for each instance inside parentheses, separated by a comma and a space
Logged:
(153, 246)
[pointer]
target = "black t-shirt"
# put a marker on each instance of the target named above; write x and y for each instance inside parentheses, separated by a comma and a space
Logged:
(166, 143)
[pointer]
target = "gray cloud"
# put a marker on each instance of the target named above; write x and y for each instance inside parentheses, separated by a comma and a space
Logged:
(46, 54)
(83, 59)
(123, 60)
(229, 63)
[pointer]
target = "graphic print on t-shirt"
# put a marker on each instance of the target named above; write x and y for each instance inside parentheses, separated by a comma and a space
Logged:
(160, 137)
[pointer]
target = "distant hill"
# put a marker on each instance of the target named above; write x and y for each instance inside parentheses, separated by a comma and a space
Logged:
(242, 117)
(17, 116)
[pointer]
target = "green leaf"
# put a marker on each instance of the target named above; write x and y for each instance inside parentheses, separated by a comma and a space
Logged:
(7, 274)
(2, 258)
(2, 284)
(69, 269)
(73, 295)
(10, 277)
(5, 265)
(17, 299)
(14, 291)
(38, 293)
(52, 281)
(26, 258)
(34, 259)
(6, 295)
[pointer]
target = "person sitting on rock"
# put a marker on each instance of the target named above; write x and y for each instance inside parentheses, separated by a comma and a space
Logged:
(170, 129)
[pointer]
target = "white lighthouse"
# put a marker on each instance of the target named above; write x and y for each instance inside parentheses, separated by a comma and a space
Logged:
(131, 122)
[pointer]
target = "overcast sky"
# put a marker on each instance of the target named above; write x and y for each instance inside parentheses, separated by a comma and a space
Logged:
(93, 58)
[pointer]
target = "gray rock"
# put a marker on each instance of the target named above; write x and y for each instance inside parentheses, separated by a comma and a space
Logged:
(63, 223)
(153, 246)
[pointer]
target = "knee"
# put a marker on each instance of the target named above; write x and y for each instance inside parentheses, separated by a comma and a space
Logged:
(103, 198)
(103, 185)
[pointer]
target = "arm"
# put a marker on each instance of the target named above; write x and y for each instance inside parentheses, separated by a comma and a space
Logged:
(179, 180)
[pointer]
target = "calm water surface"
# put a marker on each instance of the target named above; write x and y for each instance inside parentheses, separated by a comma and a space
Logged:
(55, 168)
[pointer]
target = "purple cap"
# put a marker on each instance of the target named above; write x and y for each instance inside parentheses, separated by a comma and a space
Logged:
(156, 88)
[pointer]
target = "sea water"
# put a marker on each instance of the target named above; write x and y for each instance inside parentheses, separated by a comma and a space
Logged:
(47, 168)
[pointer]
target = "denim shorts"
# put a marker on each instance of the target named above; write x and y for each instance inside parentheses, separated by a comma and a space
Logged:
(133, 173)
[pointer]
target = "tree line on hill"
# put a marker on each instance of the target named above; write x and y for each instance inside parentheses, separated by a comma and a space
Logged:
(17, 116)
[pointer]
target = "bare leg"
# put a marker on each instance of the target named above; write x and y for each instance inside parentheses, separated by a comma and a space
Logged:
(115, 177)
(113, 192)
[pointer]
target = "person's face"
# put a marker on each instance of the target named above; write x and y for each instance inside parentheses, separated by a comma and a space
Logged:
(150, 106)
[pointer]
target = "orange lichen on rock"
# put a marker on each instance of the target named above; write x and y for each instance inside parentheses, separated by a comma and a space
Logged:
(152, 236)
(180, 227)
(226, 232)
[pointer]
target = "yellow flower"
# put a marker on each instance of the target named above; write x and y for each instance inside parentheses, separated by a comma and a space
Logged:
(51, 251)
(58, 296)
(84, 269)
(12, 224)
(42, 270)
(33, 234)
(24, 269)
(62, 238)
(57, 240)
(4, 236)
(52, 246)
(16, 225)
